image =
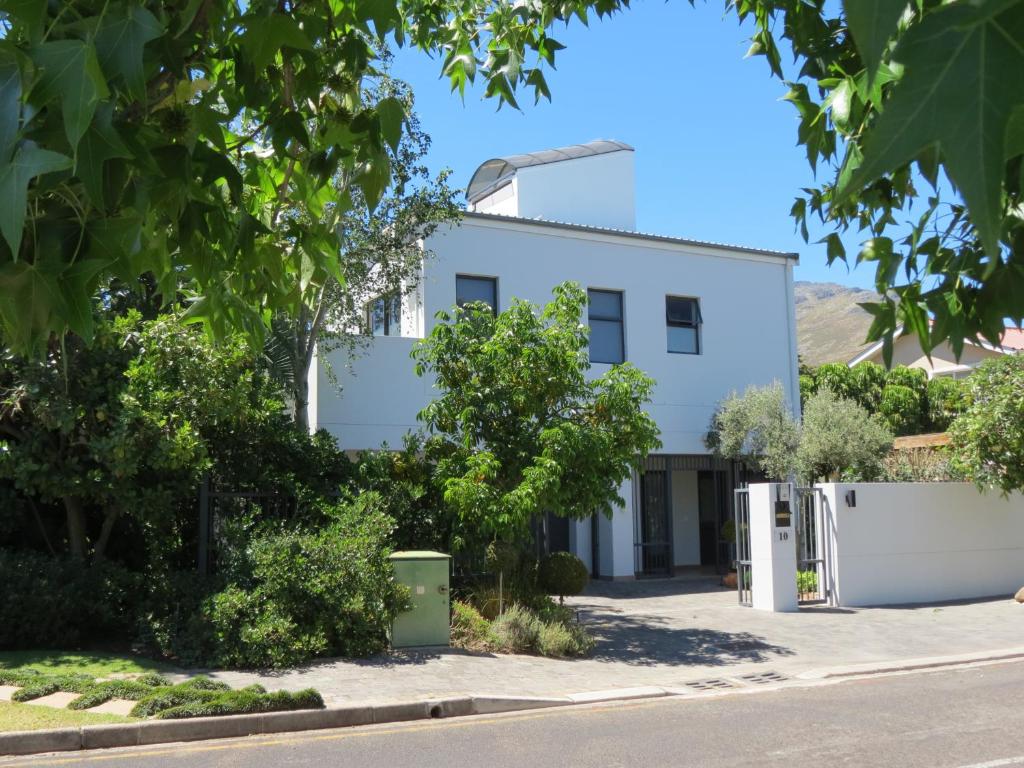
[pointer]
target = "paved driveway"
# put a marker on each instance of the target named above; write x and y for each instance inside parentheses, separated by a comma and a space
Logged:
(672, 633)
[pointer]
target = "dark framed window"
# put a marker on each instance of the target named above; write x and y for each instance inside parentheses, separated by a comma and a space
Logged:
(604, 313)
(469, 288)
(682, 317)
(384, 315)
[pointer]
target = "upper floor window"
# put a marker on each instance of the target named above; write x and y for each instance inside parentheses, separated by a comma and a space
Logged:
(682, 316)
(469, 289)
(384, 315)
(607, 343)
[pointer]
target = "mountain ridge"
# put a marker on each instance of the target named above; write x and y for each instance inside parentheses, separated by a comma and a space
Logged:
(830, 325)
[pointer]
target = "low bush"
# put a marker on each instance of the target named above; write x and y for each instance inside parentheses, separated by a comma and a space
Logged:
(562, 574)
(100, 693)
(806, 582)
(59, 603)
(470, 629)
(253, 698)
(517, 630)
(564, 640)
(293, 596)
(198, 697)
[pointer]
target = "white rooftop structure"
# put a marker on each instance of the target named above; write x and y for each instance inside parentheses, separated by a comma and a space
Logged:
(589, 184)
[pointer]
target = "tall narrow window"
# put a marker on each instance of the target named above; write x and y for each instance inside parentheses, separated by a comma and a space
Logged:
(384, 315)
(604, 312)
(469, 289)
(682, 316)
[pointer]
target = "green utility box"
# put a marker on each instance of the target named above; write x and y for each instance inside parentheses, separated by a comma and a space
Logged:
(426, 576)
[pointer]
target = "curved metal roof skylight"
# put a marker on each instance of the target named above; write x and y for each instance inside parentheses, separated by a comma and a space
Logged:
(497, 171)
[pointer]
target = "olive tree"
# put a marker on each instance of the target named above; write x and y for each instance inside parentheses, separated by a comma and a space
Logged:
(840, 438)
(519, 428)
(757, 427)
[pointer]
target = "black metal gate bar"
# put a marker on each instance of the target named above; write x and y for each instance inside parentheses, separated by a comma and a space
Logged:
(742, 523)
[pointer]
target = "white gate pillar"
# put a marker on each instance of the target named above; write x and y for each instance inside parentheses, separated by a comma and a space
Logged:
(772, 547)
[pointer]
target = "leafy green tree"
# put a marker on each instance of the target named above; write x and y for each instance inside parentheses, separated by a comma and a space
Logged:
(868, 382)
(106, 443)
(381, 255)
(757, 427)
(145, 137)
(836, 377)
(839, 438)
(519, 428)
(988, 438)
(902, 409)
(72, 437)
(947, 399)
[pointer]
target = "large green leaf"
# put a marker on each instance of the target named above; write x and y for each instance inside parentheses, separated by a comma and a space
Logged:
(70, 72)
(964, 78)
(120, 41)
(10, 99)
(27, 163)
(30, 13)
(99, 144)
(77, 284)
(266, 35)
(392, 116)
(872, 24)
(31, 298)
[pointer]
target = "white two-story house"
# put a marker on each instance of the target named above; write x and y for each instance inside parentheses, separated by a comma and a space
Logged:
(703, 319)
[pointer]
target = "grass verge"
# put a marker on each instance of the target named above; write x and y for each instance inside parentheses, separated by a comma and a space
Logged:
(79, 663)
(26, 717)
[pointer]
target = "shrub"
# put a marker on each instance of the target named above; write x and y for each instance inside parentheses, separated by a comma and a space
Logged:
(840, 437)
(470, 629)
(562, 573)
(517, 630)
(947, 399)
(903, 409)
(561, 640)
(57, 602)
(912, 378)
(293, 596)
(868, 380)
(806, 582)
(837, 378)
(988, 438)
(919, 465)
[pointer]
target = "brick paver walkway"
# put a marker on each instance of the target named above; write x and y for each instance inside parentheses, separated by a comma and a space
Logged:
(670, 633)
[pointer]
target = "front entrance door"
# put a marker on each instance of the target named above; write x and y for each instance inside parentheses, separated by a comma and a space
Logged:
(654, 525)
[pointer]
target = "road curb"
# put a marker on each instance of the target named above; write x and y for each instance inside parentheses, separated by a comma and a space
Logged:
(912, 665)
(149, 732)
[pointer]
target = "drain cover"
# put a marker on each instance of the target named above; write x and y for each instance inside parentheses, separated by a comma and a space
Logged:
(763, 678)
(713, 684)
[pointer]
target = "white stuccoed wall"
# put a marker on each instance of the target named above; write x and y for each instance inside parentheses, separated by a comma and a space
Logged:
(748, 336)
(923, 542)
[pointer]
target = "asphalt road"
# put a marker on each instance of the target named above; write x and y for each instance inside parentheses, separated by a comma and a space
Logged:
(965, 717)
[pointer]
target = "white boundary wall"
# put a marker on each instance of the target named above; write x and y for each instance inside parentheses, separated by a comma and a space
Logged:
(922, 542)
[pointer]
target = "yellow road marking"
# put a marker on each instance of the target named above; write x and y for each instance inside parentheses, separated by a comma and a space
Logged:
(258, 741)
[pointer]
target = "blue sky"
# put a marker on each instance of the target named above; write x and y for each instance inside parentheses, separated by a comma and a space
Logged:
(716, 154)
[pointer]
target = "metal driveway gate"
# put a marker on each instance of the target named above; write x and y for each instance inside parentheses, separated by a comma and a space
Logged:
(812, 566)
(742, 523)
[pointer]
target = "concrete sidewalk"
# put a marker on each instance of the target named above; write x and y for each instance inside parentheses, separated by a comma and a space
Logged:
(673, 634)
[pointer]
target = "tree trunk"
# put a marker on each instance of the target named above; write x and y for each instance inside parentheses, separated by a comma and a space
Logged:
(300, 395)
(108, 525)
(77, 543)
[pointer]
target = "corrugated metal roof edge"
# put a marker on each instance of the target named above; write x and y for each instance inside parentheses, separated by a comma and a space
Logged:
(790, 255)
